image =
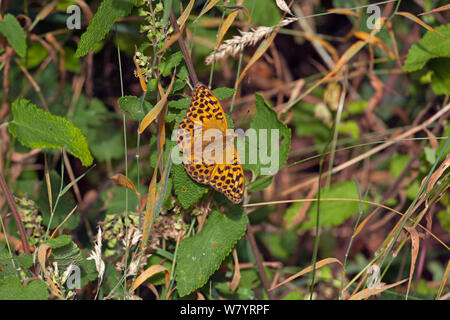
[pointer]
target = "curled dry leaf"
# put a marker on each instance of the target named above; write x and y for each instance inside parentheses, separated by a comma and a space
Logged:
(152, 270)
(283, 6)
(124, 181)
(414, 252)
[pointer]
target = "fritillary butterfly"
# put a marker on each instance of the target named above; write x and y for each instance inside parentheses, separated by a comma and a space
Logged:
(205, 112)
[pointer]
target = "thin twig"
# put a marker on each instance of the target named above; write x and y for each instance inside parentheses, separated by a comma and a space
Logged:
(184, 49)
(15, 213)
(258, 262)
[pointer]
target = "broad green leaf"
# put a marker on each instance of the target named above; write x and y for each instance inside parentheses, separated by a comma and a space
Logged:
(60, 241)
(116, 195)
(187, 190)
(180, 103)
(440, 80)
(334, 212)
(265, 12)
(65, 255)
(173, 61)
(260, 184)
(14, 33)
(132, 105)
(36, 128)
(430, 46)
(12, 289)
(201, 255)
(223, 92)
(106, 142)
(108, 12)
(272, 151)
(36, 54)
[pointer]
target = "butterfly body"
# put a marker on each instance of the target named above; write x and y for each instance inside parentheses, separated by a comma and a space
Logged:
(205, 115)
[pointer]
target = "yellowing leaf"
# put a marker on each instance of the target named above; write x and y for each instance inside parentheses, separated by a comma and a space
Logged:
(319, 264)
(443, 8)
(185, 15)
(153, 113)
(124, 181)
(414, 252)
(152, 270)
(211, 4)
(344, 11)
(418, 21)
(366, 293)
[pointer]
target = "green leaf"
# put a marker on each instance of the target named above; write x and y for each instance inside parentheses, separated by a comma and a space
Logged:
(397, 164)
(132, 106)
(187, 190)
(14, 33)
(65, 205)
(223, 93)
(60, 241)
(440, 80)
(430, 46)
(260, 184)
(333, 213)
(65, 255)
(108, 12)
(173, 61)
(36, 54)
(201, 255)
(167, 8)
(12, 289)
(180, 103)
(36, 128)
(266, 118)
(265, 12)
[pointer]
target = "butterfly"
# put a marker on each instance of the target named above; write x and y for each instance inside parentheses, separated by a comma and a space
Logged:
(205, 113)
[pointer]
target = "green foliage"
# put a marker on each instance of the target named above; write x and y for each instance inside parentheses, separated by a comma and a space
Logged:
(334, 212)
(59, 242)
(65, 205)
(433, 51)
(173, 61)
(36, 54)
(201, 255)
(12, 289)
(429, 47)
(14, 33)
(266, 118)
(132, 106)
(108, 12)
(187, 190)
(397, 164)
(36, 128)
(265, 13)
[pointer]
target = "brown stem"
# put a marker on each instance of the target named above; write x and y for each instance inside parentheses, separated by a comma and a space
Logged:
(258, 262)
(184, 49)
(15, 213)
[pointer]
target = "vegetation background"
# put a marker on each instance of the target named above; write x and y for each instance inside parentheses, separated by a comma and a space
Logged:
(91, 206)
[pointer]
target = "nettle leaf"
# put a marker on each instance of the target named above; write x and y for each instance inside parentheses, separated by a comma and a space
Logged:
(60, 241)
(223, 93)
(333, 213)
(36, 128)
(430, 46)
(187, 190)
(14, 33)
(201, 255)
(173, 61)
(65, 255)
(12, 289)
(275, 155)
(108, 12)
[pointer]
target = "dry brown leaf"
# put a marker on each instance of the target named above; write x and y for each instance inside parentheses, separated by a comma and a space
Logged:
(152, 270)
(418, 21)
(126, 182)
(367, 293)
(319, 264)
(414, 252)
(443, 8)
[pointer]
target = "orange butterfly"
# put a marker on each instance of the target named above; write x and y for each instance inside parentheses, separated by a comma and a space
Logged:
(205, 113)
